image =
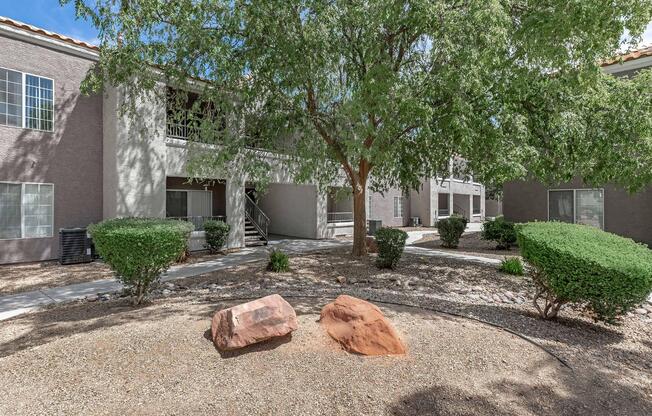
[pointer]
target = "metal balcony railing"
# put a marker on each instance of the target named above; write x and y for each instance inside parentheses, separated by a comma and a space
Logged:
(198, 221)
(334, 217)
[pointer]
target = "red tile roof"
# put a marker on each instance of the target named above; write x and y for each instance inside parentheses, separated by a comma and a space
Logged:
(640, 52)
(29, 28)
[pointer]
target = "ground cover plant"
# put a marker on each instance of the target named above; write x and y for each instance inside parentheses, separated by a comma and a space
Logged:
(606, 273)
(278, 262)
(512, 265)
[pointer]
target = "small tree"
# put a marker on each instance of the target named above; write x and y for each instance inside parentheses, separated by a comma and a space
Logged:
(139, 250)
(387, 93)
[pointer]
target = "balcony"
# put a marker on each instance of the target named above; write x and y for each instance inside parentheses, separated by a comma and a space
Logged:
(337, 217)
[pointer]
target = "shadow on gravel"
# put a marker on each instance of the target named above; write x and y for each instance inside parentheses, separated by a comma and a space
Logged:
(590, 392)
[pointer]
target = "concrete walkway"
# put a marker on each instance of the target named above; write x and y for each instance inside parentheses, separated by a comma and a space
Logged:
(20, 303)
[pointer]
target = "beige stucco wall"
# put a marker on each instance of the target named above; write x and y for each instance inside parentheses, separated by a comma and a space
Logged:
(70, 157)
(293, 210)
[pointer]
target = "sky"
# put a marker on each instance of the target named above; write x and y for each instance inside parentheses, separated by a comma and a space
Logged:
(48, 14)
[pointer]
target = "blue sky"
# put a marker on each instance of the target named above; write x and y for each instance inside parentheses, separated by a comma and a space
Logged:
(48, 14)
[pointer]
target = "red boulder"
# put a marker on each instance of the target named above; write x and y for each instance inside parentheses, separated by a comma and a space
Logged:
(360, 327)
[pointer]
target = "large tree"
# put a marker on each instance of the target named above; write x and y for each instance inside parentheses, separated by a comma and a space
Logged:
(388, 92)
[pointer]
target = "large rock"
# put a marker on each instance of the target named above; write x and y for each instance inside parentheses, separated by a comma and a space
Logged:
(360, 327)
(253, 322)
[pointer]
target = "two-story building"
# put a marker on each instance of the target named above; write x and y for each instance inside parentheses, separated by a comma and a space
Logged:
(68, 160)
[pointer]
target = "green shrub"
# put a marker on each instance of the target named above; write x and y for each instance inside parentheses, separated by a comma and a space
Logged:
(140, 249)
(450, 230)
(512, 265)
(391, 242)
(582, 264)
(278, 262)
(216, 234)
(500, 231)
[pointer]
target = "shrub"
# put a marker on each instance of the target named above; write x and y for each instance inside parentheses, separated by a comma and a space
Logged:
(216, 234)
(390, 242)
(582, 264)
(512, 265)
(500, 231)
(278, 262)
(140, 249)
(450, 230)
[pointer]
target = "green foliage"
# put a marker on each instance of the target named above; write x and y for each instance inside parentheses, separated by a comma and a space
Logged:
(512, 265)
(500, 231)
(450, 230)
(216, 234)
(138, 250)
(391, 243)
(388, 92)
(582, 264)
(278, 262)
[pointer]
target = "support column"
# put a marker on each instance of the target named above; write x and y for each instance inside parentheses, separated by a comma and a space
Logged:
(482, 203)
(321, 204)
(450, 198)
(470, 207)
(235, 212)
(434, 206)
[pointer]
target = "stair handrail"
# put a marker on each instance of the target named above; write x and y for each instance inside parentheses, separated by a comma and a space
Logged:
(257, 216)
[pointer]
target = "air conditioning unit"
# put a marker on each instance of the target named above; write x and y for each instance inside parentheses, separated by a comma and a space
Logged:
(74, 246)
(415, 221)
(373, 226)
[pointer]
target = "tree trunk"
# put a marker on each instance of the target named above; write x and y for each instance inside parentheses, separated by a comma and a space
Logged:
(359, 221)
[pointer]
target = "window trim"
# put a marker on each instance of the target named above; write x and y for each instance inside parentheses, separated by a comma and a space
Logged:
(24, 102)
(22, 210)
(402, 213)
(604, 214)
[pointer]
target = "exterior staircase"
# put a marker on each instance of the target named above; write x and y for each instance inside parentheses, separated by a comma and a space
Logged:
(253, 237)
(256, 224)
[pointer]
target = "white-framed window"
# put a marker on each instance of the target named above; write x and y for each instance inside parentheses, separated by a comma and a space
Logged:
(399, 207)
(26, 100)
(26, 210)
(579, 206)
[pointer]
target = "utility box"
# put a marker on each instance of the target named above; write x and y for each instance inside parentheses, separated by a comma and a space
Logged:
(415, 221)
(373, 226)
(74, 246)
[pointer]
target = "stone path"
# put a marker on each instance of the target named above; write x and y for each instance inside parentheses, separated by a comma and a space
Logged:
(13, 305)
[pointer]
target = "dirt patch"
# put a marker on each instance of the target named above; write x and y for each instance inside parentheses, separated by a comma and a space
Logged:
(109, 358)
(155, 360)
(470, 243)
(25, 277)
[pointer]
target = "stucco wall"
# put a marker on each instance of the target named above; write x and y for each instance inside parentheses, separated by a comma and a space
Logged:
(70, 157)
(134, 156)
(629, 215)
(292, 210)
(382, 208)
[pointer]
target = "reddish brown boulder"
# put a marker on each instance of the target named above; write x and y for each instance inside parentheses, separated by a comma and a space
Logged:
(372, 246)
(253, 322)
(360, 327)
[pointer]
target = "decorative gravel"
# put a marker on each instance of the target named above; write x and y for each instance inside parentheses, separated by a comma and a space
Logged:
(104, 357)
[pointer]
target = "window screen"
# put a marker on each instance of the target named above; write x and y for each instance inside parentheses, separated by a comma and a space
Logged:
(10, 218)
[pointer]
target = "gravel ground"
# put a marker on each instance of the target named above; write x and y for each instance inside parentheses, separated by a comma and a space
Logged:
(25, 277)
(107, 358)
(470, 243)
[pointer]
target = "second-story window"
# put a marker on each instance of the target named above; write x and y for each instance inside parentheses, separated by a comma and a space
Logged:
(26, 100)
(11, 98)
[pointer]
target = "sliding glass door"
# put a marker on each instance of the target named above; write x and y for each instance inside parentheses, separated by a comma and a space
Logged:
(580, 206)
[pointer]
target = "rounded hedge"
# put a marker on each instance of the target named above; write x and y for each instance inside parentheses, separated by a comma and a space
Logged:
(450, 230)
(579, 263)
(391, 243)
(500, 231)
(216, 233)
(140, 249)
